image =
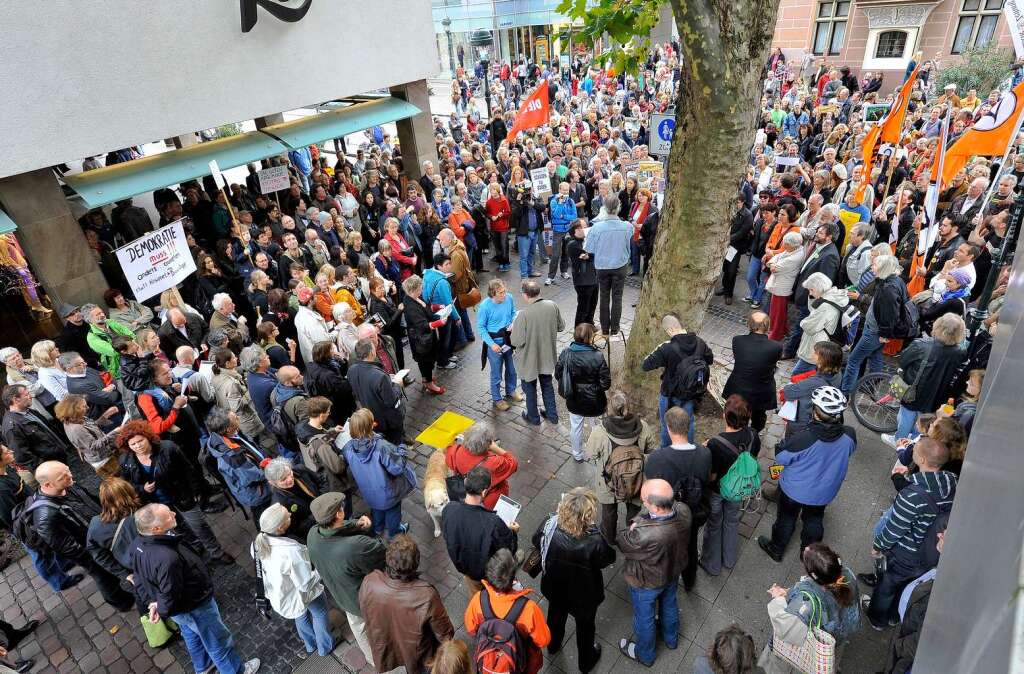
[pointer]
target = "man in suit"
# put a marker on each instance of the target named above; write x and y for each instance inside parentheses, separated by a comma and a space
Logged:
(181, 329)
(963, 209)
(741, 232)
(753, 373)
(85, 381)
(821, 257)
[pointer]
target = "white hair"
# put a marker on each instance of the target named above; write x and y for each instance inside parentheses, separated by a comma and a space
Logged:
(886, 266)
(218, 300)
(818, 282)
(792, 239)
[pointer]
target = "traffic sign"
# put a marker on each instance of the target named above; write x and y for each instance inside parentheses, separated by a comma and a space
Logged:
(662, 128)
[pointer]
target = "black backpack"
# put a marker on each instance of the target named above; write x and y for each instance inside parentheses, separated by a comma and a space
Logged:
(283, 427)
(500, 648)
(908, 323)
(22, 526)
(691, 374)
(838, 336)
(690, 491)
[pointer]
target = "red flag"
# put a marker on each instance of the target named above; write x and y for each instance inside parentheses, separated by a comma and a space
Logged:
(533, 112)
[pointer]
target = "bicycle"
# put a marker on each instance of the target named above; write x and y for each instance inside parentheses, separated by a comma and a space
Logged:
(873, 404)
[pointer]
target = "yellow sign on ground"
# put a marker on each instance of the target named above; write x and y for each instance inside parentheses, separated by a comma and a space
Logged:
(444, 429)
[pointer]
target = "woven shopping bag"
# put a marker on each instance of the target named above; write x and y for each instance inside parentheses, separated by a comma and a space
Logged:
(817, 653)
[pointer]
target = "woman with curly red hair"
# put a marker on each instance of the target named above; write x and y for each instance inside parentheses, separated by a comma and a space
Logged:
(161, 473)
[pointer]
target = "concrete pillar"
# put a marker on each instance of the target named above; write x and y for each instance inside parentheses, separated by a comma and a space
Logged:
(53, 241)
(416, 134)
(663, 30)
(269, 120)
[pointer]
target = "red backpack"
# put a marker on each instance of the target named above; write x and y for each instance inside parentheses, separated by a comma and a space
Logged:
(500, 648)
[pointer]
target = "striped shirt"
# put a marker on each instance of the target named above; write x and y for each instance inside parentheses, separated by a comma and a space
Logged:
(912, 514)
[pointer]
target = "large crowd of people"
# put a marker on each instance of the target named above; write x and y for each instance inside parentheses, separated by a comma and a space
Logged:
(274, 379)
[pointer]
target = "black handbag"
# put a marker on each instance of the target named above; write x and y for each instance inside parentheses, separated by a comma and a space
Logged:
(259, 594)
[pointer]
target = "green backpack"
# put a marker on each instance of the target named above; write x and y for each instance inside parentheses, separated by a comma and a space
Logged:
(743, 479)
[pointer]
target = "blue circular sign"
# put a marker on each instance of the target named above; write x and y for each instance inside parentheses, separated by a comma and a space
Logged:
(666, 128)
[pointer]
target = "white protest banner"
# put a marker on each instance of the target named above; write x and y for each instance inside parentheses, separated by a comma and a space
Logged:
(1014, 11)
(541, 183)
(157, 261)
(273, 179)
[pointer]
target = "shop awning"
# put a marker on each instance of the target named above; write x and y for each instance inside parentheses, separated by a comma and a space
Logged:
(121, 181)
(6, 224)
(341, 122)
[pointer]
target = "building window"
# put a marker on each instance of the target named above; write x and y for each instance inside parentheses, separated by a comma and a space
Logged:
(891, 44)
(977, 25)
(830, 27)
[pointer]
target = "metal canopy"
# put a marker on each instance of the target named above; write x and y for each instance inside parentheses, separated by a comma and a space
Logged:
(106, 185)
(341, 122)
(121, 181)
(6, 224)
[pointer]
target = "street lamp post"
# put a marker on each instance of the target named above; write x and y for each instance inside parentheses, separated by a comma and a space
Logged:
(447, 23)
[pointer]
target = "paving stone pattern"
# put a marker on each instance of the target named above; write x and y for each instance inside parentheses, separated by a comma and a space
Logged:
(79, 633)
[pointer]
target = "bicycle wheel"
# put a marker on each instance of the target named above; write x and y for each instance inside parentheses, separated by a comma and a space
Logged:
(873, 404)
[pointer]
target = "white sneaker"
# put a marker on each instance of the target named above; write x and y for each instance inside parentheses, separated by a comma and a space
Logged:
(251, 666)
(889, 440)
(566, 275)
(548, 282)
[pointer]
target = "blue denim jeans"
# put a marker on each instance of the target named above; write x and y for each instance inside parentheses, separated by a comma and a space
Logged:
(50, 567)
(905, 421)
(868, 348)
(792, 342)
(802, 366)
(547, 391)
(498, 363)
(208, 640)
(387, 520)
(634, 258)
(314, 627)
(526, 245)
(648, 603)
(664, 404)
(882, 521)
(467, 326)
(754, 288)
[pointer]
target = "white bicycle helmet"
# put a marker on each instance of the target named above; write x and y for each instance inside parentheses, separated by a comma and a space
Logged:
(829, 400)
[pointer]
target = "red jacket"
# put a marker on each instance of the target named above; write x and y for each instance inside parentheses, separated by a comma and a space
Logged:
(158, 424)
(498, 207)
(460, 461)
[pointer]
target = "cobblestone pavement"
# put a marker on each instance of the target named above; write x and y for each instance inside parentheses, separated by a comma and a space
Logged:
(79, 633)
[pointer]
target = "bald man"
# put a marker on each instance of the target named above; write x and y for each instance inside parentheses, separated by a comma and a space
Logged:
(654, 548)
(753, 373)
(181, 329)
(60, 520)
(294, 403)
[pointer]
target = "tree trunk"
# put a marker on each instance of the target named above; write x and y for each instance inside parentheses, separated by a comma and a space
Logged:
(725, 45)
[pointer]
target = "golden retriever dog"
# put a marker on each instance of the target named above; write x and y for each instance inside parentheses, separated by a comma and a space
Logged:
(435, 491)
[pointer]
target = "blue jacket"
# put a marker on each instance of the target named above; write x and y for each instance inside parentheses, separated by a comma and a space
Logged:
(815, 461)
(436, 288)
(562, 214)
(260, 386)
(791, 124)
(608, 242)
(244, 476)
(380, 470)
(302, 159)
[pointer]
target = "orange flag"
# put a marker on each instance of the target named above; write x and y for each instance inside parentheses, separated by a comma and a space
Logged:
(990, 135)
(888, 130)
(533, 112)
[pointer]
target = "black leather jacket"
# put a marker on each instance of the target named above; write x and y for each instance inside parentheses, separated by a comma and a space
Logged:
(588, 379)
(63, 526)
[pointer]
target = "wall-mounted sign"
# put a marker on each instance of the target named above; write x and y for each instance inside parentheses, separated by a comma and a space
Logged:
(277, 10)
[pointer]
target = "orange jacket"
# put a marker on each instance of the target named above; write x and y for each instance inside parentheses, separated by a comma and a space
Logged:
(531, 623)
(775, 239)
(339, 294)
(456, 219)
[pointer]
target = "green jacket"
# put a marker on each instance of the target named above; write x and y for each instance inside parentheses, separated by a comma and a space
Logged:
(343, 557)
(99, 341)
